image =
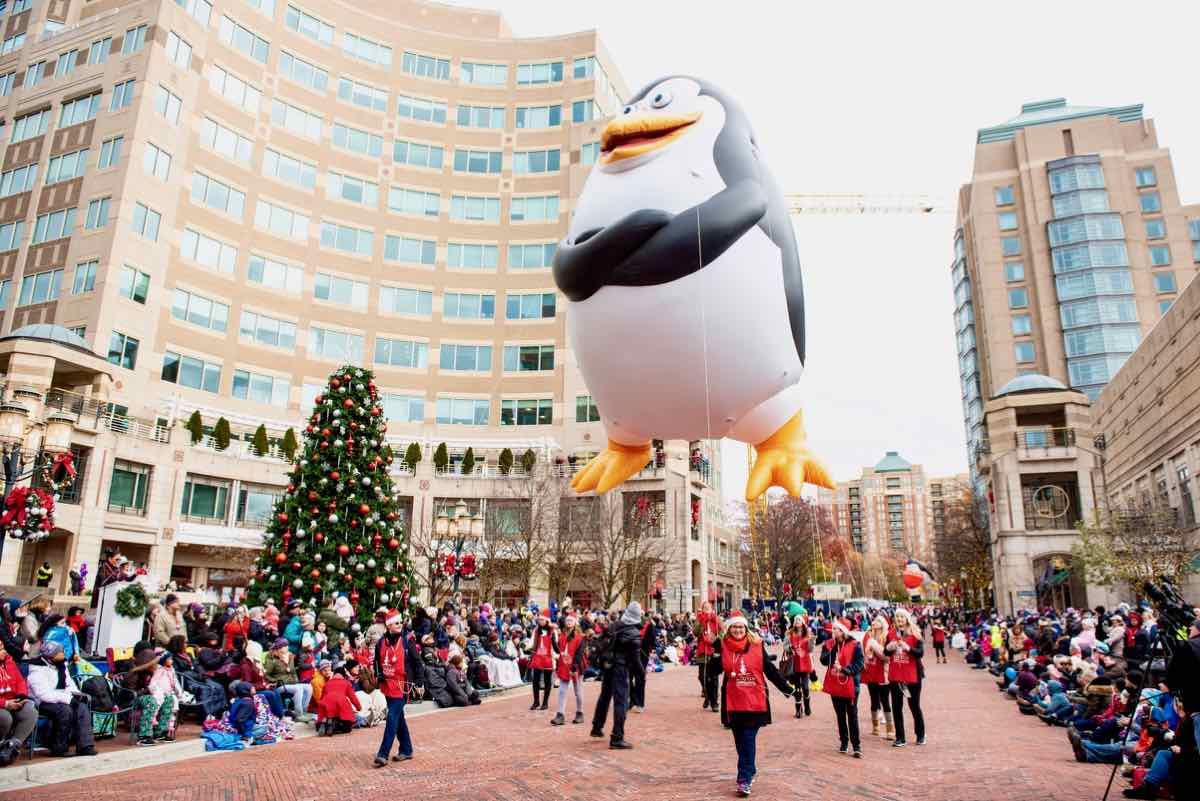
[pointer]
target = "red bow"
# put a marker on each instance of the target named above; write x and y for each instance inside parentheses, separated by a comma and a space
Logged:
(15, 507)
(64, 461)
(467, 567)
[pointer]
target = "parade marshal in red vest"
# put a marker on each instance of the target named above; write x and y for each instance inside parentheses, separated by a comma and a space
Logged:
(745, 707)
(844, 658)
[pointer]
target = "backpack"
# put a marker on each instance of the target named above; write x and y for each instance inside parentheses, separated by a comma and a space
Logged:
(96, 687)
(602, 650)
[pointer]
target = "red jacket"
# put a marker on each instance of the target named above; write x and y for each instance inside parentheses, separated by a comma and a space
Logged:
(252, 673)
(12, 683)
(235, 629)
(338, 700)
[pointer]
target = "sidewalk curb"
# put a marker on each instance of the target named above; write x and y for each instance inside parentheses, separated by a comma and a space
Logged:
(26, 775)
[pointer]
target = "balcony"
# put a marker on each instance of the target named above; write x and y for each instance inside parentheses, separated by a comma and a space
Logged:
(481, 471)
(700, 470)
(241, 449)
(1045, 442)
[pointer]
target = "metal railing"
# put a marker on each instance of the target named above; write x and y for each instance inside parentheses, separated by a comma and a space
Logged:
(1044, 437)
(241, 449)
(122, 424)
(482, 471)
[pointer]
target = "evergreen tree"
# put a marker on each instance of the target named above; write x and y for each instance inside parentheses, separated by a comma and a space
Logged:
(505, 462)
(290, 444)
(441, 457)
(221, 434)
(412, 456)
(468, 462)
(195, 427)
(528, 460)
(260, 443)
(336, 529)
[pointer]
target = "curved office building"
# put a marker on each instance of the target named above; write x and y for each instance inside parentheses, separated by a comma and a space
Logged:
(226, 200)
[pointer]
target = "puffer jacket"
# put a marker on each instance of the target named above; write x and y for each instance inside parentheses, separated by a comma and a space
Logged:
(435, 682)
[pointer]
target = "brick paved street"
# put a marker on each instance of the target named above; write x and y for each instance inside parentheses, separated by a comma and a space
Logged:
(980, 748)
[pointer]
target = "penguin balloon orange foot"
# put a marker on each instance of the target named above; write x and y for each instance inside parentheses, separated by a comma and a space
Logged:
(612, 467)
(784, 460)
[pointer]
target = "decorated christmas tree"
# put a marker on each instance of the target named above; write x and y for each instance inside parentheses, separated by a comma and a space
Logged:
(337, 530)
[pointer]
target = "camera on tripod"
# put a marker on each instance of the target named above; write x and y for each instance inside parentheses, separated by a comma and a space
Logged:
(1175, 615)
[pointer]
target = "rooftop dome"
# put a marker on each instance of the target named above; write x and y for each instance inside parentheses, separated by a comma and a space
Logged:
(893, 462)
(1031, 382)
(49, 332)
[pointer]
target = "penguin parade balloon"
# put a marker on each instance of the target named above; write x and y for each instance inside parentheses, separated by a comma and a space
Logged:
(685, 301)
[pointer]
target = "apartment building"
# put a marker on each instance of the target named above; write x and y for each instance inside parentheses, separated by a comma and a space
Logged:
(207, 206)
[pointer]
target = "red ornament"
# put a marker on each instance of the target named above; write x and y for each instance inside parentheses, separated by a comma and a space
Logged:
(364, 509)
(315, 573)
(296, 566)
(393, 543)
(347, 578)
(316, 587)
(380, 582)
(395, 580)
(353, 523)
(325, 432)
(291, 488)
(335, 383)
(391, 515)
(312, 496)
(358, 549)
(324, 445)
(281, 557)
(334, 476)
(308, 429)
(283, 518)
(354, 596)
(319, 537)
(343, 549)
(376, 411)
(318, 399)
(348, 403)
(346, 378)
(353, 426)
(377, 539)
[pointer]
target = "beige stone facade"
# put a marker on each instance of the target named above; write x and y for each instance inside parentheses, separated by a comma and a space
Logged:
(268, 190)
(1149, 415)
(1071, 242)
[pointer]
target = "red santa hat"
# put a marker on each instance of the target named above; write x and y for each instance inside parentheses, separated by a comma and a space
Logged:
(393, 618)
(545, 612)
(572, 621)
(736, 620)
(842, 625)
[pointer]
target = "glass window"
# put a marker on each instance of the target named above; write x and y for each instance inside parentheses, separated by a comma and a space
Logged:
(1014, 271)
(535, 74)
(585, 409)
(290, 170)
(401, 352)
(409, 250)
(312, 27)
(225, 141)
(135, 285)
(224, 84)
(1150, 201)
(7, 82)
(18, 180)
(469, 306)
(352, 190)
(281, 221)
(207, 501)
(414, 201)
(480, 116)
(415, 154)
(1004, 196)
(543, 208)
(589, 153)
(398, 300)
(296, 120)
(424, 66)
(1094, 282)
(54, 225)
(127, 490)
(1008, 220)
(40, 287)
(335, 345)
(85, 277)
(361, 94)
(156, 162)
(534, 256)
(539, 116)
(1080, 202)
(244, 40)
(421, 109)
(168, 104)
(468, 256)
(33, 74)
(217, 195)
(366, 50)
(1010, 245)
(1156, 228)
(357, 141)
(462, 411)
(135, 40)
(1160, 255)
(1021, 324)
(1096, 311)
(66, 63)
(99, 50)
(1164, 282)
(347, 239)
(536, 161)
(122, 95)
(266, 330)
(465, 358)
(200, 311)
(403, 408)
(1025, 352)
(302, 72)
(274, 274)
(73, 112)
(1079, 176)
(344, 291)
(66, 167)
(536, 412)
(110, 152)
(191, 372)
(477, 161)
(1018, 298)
(208, 251)
(260, 388)
(483, 74)
(528, 358)
(530, 306)
(97, 213)
(122, 350)
(1145, 176)
(179, 52)
(584, 111)
(11, 235)
(475, 208)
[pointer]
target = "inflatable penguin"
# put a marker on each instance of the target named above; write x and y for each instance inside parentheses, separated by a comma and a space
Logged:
(686, 309)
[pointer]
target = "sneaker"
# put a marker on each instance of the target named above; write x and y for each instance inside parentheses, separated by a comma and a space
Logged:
(843, 748)
(165, 737)
(858, 752)
(380, 762)
(898, 744)
(89, 751)
(637, 710)
(578, 718)
(558, 720)
(743, 789)
(596, 733)
(921, 741)
(620, 745)
(145, 741)
(402, 757)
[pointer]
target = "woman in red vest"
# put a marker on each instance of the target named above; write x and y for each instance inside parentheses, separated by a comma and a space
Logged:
(708, 629)
(844, 657)
(541, 662)
(874, 675)
(745, 707)
(397, 665)
(571, 663)
(905, 648)
(799, 648)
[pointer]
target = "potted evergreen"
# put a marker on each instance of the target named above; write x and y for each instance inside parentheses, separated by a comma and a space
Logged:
(290, 445)
(468, 462)
(195, 427)
(505, 462)
(441, 458)
(412, 456)
(528, 460)
(259, 443)
(221, 434)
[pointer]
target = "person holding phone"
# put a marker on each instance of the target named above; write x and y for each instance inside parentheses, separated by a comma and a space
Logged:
(905, 649)
(18, 715)
(844, 658)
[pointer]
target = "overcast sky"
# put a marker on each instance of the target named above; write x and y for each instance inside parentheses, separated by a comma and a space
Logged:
(886, 98)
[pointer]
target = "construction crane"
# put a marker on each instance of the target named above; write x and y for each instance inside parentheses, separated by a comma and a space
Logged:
(855, 203)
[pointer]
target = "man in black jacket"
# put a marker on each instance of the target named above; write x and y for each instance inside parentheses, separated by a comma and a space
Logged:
(637, 679)
(1183, 672)
(619, 659)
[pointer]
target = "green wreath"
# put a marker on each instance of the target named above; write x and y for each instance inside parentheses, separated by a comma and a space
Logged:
(132, 601)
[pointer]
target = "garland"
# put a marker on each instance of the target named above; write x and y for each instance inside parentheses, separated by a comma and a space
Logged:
(132, 601)
(29, 511)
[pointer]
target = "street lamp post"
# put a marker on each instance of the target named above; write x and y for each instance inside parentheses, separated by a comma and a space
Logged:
(15, 430)
(458, 529)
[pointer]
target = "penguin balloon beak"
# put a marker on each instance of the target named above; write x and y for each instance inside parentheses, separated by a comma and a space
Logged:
(636, 134)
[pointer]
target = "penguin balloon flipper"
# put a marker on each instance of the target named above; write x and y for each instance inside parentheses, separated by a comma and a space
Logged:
(696, 237)
(583, 265)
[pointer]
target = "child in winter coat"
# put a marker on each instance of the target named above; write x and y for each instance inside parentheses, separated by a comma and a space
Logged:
(242, 713)
(306, 663)
(157, 705)
(337, 712)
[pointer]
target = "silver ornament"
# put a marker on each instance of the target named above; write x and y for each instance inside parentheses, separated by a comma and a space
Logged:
(384, 597)
(358, 568)
(316, 557)
(333, 518)
(298, 583)
(337, 443)
(329, 568)
(366, 482)
(371, 563)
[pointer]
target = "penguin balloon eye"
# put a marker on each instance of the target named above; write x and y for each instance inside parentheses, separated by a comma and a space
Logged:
(661, 98)
(627, 110)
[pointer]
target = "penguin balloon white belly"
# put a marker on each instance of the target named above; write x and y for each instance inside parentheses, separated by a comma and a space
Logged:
(685, 305)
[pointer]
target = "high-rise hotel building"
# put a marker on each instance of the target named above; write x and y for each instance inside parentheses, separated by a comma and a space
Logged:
(208, 205)
(1071, 241)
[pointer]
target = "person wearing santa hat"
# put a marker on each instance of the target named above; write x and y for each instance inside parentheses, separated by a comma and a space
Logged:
(799, 647)
(874, 675)
(745, 705)
(398, 665)
(570, 667)
(541, 664)
(708, 629)
(844, 658)
(905, 648)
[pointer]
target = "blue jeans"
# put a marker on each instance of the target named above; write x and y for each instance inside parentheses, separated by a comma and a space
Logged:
(744, 741)
(1160, 769)
(273, 701)
(1104, 753)
(396, 726)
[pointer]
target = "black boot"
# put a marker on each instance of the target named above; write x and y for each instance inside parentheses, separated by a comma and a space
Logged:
(799, 710)
(807, 708)
(578, 718)
(545, 701)
(537, 699)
